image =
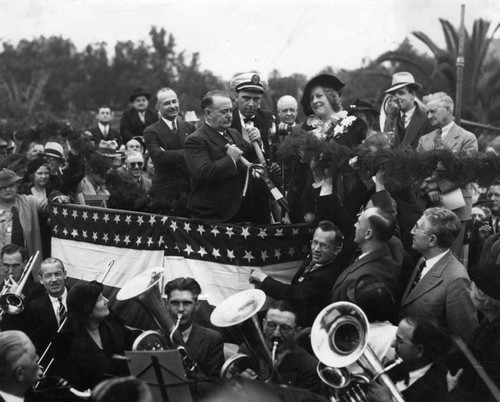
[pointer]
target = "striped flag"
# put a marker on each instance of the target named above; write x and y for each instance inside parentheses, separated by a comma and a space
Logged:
(218, 256)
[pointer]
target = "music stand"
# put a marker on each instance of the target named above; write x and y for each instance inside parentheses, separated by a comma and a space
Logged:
(164, 373)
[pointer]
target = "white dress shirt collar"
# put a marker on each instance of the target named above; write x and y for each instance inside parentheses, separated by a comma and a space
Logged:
(431, 262)
(170, 123)
(414, 376)
(445, 130)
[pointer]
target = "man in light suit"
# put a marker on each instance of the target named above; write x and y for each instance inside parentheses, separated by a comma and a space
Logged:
(19, 368)
(382, 254)
(439, 289)
(165, 143)
(138, 117)
(213, 156)
(47, 312)
(411, 122)
(449, 135)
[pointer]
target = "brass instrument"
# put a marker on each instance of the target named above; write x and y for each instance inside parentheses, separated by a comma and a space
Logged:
(144, 289)
(240, 310)
(12, 301)
(54, 383)
(339, 338)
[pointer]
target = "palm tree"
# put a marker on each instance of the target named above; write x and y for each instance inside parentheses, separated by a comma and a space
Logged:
(479, 91)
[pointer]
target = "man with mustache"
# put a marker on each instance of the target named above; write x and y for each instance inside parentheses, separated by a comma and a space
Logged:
(411, 122)
(46, 313)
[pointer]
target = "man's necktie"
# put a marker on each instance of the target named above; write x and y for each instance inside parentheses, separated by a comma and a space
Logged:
(418, 275)
(62, 310)
(105, 131)
(174, 127)
(401, 126)
(438, 139)
(142, 116)
(227, 138)
(309, 268)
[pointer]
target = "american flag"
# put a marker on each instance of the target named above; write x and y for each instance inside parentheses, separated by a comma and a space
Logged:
(218, 256)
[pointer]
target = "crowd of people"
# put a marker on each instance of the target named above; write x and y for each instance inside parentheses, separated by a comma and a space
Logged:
(419, 257)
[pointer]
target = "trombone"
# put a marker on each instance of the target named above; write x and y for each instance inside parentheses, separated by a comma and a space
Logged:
(11, 297)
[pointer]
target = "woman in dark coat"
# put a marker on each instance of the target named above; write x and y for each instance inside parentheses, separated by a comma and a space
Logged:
(90, 338)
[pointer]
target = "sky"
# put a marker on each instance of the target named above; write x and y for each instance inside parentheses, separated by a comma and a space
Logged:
(233, 36)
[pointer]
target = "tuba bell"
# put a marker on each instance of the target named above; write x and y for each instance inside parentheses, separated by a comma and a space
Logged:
(240, 311)
(339, 338)
(11, 298)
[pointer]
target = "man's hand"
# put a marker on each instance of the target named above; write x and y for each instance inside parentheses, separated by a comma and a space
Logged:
(253, 134)
(257, 275)
(484, 231)
(378, 392)
(435, 197)
(234, 152)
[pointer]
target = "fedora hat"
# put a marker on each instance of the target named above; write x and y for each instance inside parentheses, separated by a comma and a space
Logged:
(362, 105)
(8, 177)
(108, 148)
(54, 149)
(403, 79)
(322, 80)
(139, 92)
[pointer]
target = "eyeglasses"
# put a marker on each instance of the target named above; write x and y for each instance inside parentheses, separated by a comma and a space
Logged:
(284, 329)
(136, 164)
(322, 246)
(177, 303)
(415, 228)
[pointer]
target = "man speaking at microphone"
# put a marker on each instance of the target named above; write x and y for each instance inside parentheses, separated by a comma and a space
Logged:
(215, 157)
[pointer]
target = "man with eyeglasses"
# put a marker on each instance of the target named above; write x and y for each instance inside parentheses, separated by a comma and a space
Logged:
(165, 143)
(46, 313)
(439, 286)
(134, 164)
(293, 364)
(422, 344)
(204, 346)
(310, 286)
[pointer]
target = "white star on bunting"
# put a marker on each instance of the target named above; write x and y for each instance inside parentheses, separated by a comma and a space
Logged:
(216, 253)
(202, 251)
(139, 240)
(106, 218)
(85, 215)
(128, 219)
(65, 212)
(249, 256)
(117, 239)
(95, 217)
(74, 233)
(200, 229)
(152, 220)
(117, 218)
(140, 219)
(229, 232)
(74, 214)
(215, 231)
(187, 228)
(262, 233)
(105, 237)
(245, 233)
(188, 249)
(277, 253)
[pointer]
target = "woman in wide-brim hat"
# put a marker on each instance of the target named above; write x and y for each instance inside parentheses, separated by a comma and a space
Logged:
(322, 105)
(84, 350)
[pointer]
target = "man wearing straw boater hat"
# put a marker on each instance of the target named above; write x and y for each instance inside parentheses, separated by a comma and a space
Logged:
(411, 122)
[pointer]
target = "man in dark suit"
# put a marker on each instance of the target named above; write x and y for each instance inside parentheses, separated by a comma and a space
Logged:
(311, 284)
(381, 255)
(421, 344)
(19, 365)
(214, 160)
(204, 346)
(47, 312)
(411, 121)
(247, 115)
(295, 366)
(138, 117)
(103, 130)
(439, 285)
(165, 143)
(14, 260)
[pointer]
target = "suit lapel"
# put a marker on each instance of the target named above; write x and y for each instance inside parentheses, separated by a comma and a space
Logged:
(451, 139)
(413, 127)
(431, 279)
(215, 137)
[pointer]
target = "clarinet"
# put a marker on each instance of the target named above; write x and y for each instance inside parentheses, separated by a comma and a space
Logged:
(190, 366)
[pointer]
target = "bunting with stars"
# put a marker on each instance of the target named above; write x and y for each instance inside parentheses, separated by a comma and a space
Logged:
(219, 256)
